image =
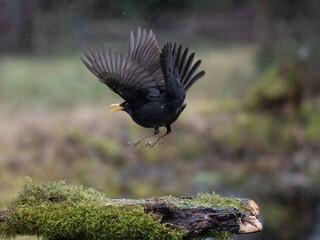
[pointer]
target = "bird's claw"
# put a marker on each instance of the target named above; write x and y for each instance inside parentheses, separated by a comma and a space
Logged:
(153, 143)
(150, 144)
(137, 141)
(134, 142)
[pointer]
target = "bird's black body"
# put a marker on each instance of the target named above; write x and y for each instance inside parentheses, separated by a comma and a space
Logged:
(156, 113)
(152, 83)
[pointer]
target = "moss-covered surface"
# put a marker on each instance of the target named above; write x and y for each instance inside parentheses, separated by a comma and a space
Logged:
(210, 200)
(54, 210)
(57, 211)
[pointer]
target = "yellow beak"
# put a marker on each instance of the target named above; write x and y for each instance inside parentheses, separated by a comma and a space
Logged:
(116, 105)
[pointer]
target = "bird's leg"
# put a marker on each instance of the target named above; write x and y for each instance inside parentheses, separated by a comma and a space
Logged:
(154, 142)
(139, 140)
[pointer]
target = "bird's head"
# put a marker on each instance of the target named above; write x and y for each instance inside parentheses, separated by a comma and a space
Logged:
(122, 107)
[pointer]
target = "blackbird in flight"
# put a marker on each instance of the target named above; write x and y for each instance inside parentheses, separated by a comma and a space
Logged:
(153, 83)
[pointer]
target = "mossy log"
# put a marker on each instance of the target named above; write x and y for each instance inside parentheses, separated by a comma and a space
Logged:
(57, 211)
(198, 220)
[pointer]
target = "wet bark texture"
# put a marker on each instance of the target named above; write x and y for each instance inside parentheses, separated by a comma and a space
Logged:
(199, 221)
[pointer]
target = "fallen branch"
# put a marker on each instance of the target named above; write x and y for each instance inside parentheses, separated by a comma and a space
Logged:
(57, 211)
(197, 220)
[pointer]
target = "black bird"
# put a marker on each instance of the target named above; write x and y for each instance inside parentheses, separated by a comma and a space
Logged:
(152, 83)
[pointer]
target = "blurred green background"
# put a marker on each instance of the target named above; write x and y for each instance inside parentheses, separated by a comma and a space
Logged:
(251, 128)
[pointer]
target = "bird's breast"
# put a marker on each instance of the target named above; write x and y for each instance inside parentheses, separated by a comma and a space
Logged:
(154, 114)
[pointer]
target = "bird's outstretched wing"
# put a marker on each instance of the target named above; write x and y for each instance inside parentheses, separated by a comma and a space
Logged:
(178, 68)
(144, 49)
(124, 76)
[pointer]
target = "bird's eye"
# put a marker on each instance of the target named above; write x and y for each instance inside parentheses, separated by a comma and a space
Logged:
(126, 105)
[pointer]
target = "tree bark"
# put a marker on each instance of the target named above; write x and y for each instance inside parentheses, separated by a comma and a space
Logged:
(263, 33)
(201, 220)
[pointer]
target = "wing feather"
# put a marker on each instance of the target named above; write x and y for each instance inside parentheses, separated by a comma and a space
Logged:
(194, 79)
(186, 68)
(144, 49)
(145, 67)
(177, 66)
(119, 73)
(148, 44)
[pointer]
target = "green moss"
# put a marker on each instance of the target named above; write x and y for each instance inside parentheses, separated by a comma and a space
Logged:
(64, 221)
(33, 194)
(210, 200)
(57, 211)
(54, 210)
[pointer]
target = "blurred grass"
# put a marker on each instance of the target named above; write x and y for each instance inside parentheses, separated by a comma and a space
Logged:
(54, 109)
(32, 88)
(54, 82)
(57, 125)
(61, 82)
(229, 70)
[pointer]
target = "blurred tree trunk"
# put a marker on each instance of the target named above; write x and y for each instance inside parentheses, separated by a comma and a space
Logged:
(16, 24)
(315, 9)
(263, 33)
